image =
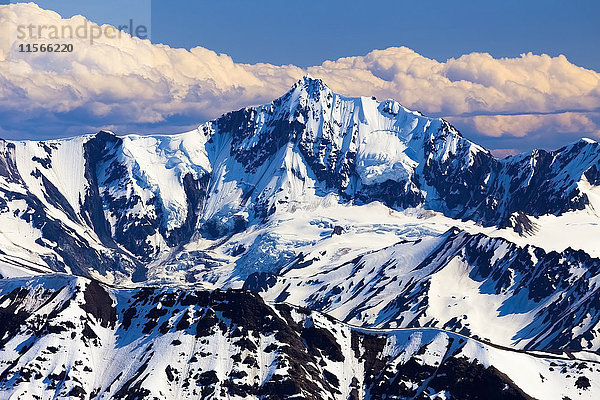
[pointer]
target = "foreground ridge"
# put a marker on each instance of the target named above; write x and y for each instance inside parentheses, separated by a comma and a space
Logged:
(172, 343)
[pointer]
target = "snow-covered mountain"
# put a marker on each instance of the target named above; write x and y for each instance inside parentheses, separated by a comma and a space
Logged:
(73, 338)
(359, 209)
(483, 287)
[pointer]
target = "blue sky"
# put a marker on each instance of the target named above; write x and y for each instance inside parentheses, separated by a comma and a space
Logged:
(309, 32)
(481, 65)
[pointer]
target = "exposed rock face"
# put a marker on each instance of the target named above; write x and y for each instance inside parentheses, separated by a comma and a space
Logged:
(452, 282)
(173, 343)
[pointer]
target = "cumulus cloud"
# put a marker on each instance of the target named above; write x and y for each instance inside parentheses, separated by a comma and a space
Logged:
(472, 83)
(125, 78)
(524, 124)
(131, 84)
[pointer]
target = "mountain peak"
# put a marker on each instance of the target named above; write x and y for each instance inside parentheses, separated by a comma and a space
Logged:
(587, 140)
(310, 85)
(308, 79)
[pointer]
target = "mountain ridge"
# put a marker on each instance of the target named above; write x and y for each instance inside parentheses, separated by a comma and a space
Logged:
(315, 143)
(162, 342)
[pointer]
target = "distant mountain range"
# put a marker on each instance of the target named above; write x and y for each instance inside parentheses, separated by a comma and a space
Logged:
(319, 246)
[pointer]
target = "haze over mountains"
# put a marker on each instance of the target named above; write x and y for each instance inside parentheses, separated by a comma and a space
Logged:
(384, 251)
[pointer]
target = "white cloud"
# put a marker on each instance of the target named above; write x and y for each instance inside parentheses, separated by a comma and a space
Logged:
(131, 83)
(523, 124)
(473, 83)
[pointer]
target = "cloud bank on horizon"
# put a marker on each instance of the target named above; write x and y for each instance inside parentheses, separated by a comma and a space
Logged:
(132, 85)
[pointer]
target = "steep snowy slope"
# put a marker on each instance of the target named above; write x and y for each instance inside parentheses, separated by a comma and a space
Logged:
(366, 150)
(65, 337)
(473, 284)
(45, 211)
